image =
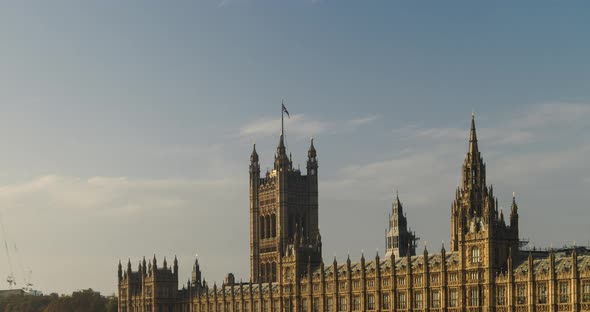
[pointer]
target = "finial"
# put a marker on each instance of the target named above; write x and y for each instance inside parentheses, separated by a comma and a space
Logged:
(311, 153)
(513, 194)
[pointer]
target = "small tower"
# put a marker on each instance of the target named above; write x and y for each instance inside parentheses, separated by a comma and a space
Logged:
(196, 274)
(312, 161)
(399, 240)
(175, 267)
(120, 271)
(514, 215)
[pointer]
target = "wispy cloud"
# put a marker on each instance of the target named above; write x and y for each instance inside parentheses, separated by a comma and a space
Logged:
(301, 126)
(298, 125)
(106, 195)
(520, 128)
(363, 120)
(223, 3)
(552, 113)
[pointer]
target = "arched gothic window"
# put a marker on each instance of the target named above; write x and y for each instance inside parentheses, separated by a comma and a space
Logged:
(475, 255)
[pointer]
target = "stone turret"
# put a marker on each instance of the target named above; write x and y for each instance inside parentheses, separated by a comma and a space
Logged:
(399, 240)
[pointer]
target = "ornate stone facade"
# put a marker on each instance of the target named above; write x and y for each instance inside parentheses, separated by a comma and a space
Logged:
(484, 270)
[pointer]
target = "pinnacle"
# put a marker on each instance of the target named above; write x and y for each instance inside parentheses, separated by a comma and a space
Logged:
(473, 149)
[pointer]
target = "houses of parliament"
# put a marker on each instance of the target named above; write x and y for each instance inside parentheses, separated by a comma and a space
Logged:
(484, 268)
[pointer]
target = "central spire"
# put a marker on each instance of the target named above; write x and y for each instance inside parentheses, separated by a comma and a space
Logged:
(473, 137)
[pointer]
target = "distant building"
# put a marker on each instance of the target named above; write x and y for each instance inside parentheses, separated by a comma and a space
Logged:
(11, 292)
(484, 269)
(26, 292)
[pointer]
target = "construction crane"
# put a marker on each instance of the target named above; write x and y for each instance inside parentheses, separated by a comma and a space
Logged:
(28, 285)
(10, 279)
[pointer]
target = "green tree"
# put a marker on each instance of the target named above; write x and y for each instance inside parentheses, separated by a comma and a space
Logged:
(79, 301)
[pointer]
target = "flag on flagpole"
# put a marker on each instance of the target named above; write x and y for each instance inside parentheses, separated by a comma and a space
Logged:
(285, 110)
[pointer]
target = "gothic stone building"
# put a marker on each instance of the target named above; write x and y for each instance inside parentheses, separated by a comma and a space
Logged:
(483, 270)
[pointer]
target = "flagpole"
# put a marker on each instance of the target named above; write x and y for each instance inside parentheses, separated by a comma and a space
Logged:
(282, 113)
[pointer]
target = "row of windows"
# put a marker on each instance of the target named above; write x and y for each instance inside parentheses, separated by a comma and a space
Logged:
(563, 293)
(474, 298)
(268, 226)
(268, 272)
(386, 282)
(393, 242)
(342, 303)
(267, 201)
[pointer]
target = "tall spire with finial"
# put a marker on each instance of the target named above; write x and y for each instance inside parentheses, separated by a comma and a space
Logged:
(514, 215)
(254, 155)
(120, 271)
(473, 137)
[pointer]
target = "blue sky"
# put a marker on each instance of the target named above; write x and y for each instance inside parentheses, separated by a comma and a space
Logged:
(127, 127)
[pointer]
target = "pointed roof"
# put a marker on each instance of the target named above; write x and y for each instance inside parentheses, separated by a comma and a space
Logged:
(312, 152)
(254, 156)
(514, 207)
(281, 155)
(397, 206)
(281, 141)
(473, 149)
